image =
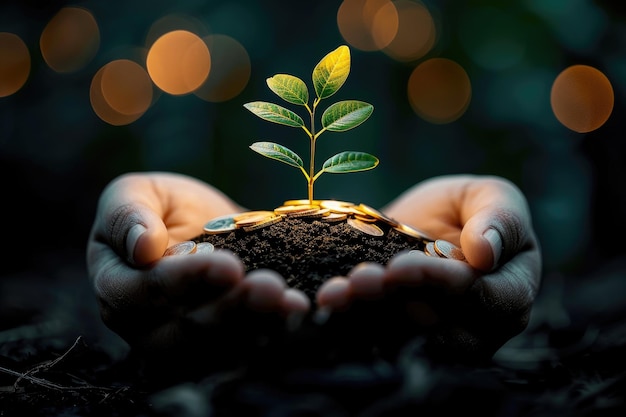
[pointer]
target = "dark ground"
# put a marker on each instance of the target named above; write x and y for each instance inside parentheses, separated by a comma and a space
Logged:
(56, 358)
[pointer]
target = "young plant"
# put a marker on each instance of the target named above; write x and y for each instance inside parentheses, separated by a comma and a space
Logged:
(328, 76)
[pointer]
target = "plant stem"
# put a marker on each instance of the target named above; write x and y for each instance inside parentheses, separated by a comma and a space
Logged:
(312, 159)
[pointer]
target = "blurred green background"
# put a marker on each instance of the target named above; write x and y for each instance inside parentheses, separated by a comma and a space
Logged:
(56, 153)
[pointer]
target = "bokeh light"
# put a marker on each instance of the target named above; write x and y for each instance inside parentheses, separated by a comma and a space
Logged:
(126, 87)
(582, 98)
(99, 102)
(14, 63)
(416, 34)
(230, 69)
(439, 90)
(178, 62)
(70, 40)
(368, 25)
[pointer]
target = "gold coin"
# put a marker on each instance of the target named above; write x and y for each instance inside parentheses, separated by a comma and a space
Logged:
(301, 202)
(429, 249)
(354, 211)
(334, 217)
(316, 214)
(305, 213)
(411, 231)
(365, 218)
(448, 250)
(204, 247)
(182, 248)
(221, 224)
(268, 221)
(252, 217)
(368, 228)
(370, 211)
(288, 210)
(337, 206)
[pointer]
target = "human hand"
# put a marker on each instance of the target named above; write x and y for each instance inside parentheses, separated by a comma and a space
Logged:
(464, 309)
(187, 302)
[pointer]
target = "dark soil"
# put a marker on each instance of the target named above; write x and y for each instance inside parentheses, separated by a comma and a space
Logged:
(307, 252)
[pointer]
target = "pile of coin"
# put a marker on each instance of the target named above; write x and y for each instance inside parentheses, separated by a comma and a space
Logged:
(361, 217)
(189, 247)
(443, 249)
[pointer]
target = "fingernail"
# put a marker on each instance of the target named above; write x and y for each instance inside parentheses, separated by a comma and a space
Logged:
(495, 241)
(131, 240)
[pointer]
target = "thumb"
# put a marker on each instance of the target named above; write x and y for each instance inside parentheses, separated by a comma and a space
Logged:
(497, 224)
(493, 236)
(135, 232)
(147, 239)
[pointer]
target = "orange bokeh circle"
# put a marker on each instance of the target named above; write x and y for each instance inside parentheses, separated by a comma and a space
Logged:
(14, 63)
(70, 39)
(126, 87)
(178, 62)
(439, 90)
(582, 98)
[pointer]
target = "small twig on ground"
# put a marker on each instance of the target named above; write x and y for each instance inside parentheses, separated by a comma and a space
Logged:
(28, 375)
(35, 380)
(48, 364)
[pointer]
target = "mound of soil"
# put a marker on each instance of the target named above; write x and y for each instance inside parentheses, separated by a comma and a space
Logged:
(308, 251)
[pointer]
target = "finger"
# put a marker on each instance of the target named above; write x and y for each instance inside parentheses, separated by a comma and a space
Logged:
(413, 270)
(186, 280)
(260, 299)
(366, 280)
(334, 294)
(497, 223)
(129, 220)
(294, 301)
(264, 290)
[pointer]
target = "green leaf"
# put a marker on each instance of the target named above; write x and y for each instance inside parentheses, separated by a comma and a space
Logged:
(274, 113)
(345, 115)
(278, 152)
(331, 72)
(289, 88)
(350, 161)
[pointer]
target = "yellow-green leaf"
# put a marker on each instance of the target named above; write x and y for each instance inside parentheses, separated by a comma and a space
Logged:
(345, 115)
(331, 72)
(350, 161)
(289, 88)
(274, 113)
(278, 152)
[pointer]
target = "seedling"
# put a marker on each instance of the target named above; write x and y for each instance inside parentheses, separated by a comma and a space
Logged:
(328, 76)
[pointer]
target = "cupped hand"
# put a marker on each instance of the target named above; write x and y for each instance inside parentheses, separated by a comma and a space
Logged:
(460, 309)
(182, 302)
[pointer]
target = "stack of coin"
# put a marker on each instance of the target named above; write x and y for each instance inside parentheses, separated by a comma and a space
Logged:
(189, 247)
(444, 249)
(361, 217)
